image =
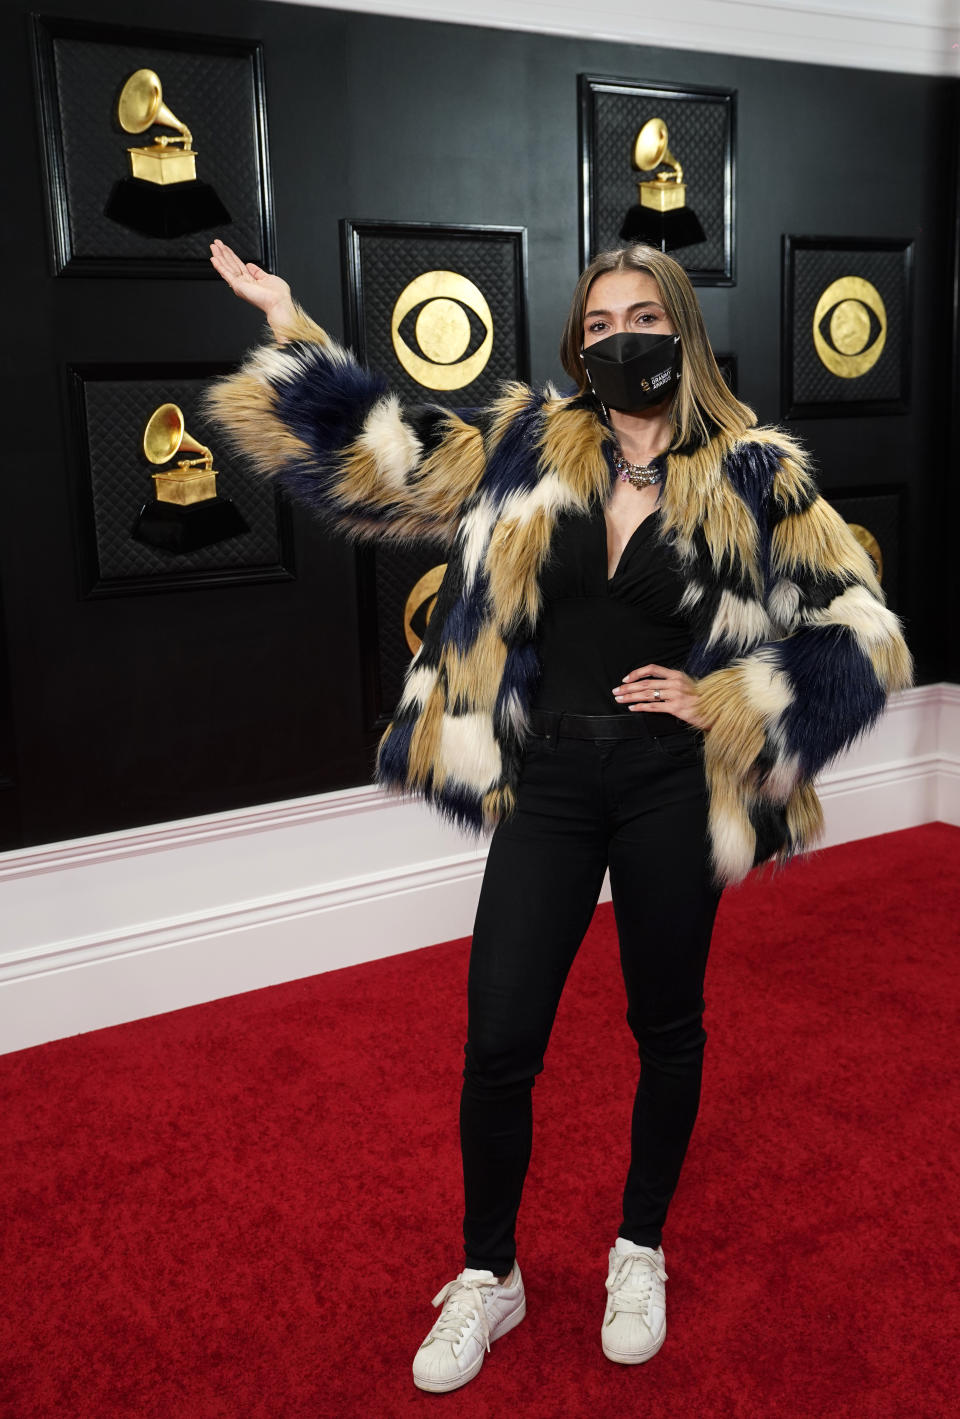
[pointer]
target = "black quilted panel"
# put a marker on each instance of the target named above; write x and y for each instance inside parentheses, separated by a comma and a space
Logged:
(881, 514)
(388, 263)
(116, 412)
(814, 270)
(213, 94)
(698, 136)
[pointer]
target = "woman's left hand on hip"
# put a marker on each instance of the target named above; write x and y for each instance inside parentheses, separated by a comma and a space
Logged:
(655, 689)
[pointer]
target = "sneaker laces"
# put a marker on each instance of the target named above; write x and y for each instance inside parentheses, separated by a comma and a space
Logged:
(631, 1285)
(462, 1301)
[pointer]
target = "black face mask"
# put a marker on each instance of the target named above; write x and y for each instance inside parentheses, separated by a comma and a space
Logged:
(630, 371)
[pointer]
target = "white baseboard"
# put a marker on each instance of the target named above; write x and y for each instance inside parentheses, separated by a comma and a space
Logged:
(948, 809)
(271, 894)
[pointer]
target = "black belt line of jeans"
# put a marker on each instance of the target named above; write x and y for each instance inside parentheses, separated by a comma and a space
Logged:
(557, 724)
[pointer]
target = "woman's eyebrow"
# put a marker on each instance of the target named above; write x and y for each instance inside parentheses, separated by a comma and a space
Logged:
(637, 305)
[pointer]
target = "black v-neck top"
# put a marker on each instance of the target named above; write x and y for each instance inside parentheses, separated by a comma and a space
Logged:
(593, 630)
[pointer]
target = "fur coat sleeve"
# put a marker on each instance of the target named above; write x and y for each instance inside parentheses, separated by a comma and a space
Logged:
(342, 444)
(811, 686)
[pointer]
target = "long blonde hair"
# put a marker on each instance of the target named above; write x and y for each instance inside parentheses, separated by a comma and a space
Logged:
(703, 403)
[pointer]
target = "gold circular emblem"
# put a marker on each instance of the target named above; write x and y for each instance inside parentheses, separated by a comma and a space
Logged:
(419, 607)
(870, 545)
(850, 326)
(442, 330)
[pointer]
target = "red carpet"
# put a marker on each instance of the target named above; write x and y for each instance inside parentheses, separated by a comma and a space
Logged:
(243, 1209)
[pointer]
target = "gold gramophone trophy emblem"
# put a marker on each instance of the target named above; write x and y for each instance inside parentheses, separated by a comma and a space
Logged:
(187, 512)
(162, 196)
(168, 158)
(660, 215)
(666, 190)
(191, 480)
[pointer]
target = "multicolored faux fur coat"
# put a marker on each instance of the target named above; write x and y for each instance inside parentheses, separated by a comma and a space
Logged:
(794, 650)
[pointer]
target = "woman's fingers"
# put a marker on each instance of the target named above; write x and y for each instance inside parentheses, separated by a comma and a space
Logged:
(645, 670)
(231, 271)
(654, 689)
(227, 256)
(227, 263)
(650, 682)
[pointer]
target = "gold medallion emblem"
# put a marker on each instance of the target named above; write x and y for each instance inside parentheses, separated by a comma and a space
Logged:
(442, 300)
(419, 607)
(870, 545)
(850, 326)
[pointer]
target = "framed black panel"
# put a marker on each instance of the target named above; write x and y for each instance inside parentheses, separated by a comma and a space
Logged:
(847, 304)
(462, 290)
(110, 406)
(443, 312)
(878, 519)
(105, 221)
(701, 126)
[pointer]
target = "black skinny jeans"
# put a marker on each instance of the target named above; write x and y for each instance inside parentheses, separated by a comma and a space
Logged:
(638, 805)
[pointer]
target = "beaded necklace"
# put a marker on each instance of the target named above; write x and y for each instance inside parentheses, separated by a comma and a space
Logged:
(640, 475)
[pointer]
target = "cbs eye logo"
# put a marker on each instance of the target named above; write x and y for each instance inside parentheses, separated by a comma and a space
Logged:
(850, 327)
(442, 330)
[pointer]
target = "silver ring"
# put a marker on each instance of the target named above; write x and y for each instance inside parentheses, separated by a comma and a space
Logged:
(657, 695)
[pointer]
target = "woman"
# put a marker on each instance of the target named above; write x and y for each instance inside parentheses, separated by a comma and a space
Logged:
(651, 635)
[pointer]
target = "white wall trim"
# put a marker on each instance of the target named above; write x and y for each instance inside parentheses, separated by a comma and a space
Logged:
(921, 38)
(271, 893)
(184, 832)
(266, 911)
(863, 779)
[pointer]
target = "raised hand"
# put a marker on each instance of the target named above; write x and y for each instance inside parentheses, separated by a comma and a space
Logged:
(250, 282)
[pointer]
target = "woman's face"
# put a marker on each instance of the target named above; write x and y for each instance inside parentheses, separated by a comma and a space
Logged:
(621, 301)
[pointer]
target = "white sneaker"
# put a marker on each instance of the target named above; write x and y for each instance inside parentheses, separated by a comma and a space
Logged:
(635, 1322)
(477, 1310)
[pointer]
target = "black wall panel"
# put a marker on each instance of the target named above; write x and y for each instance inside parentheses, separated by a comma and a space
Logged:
(945, 508)
(137, 710)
